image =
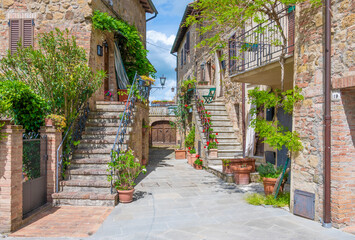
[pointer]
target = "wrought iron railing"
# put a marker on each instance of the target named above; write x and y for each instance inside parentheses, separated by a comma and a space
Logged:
(263, 43)
(70, 139)
(140, 89)
(203, 114)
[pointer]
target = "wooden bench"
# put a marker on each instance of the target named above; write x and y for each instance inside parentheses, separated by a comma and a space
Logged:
(209, 98)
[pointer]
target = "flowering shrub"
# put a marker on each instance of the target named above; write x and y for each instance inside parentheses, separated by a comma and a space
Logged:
(198, 161)
(108, 93)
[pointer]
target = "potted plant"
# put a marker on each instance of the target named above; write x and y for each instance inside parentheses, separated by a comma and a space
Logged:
(190, 142)
(269, 174)
(108, 96)
(198, 163)
(242, 174)
(193, 156)
(212, 149)
(122, 95)
(127, 169)
(226, 167)
(188, 155)
(57, 121)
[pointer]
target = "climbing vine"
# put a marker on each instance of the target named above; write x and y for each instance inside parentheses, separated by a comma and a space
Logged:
(132, 49)
(273, 132)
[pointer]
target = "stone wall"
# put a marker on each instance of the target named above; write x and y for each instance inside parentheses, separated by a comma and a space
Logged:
(139, 136)
(307, 166)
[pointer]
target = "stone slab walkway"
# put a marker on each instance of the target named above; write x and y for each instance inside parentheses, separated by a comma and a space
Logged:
(174, 201)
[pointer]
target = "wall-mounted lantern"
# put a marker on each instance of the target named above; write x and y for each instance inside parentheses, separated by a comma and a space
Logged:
(100, 51)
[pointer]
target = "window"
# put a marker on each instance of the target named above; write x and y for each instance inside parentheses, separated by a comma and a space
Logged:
(21, 30)
(182, 57)
(232, 55)
(187, 46)
(185, 53)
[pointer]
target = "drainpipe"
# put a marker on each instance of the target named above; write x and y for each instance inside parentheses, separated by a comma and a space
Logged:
(154, 9)
(327, 116)
(243, 118)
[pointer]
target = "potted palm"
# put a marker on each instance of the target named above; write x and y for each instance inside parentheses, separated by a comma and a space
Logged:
(127, 169)
(269, 174)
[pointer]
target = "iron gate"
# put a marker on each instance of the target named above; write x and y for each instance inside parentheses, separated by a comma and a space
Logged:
(34, 170)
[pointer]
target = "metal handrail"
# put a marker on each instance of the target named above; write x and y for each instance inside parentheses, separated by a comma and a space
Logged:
(126, 119)
(78, 130)
(201, 110)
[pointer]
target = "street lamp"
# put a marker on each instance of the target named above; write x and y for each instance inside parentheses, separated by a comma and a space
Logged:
(162, 81)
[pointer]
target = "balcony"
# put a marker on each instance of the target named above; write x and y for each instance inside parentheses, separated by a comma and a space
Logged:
(254, 55)
(162, 111)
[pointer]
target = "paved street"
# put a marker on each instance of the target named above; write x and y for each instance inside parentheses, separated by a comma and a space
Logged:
(174, 201)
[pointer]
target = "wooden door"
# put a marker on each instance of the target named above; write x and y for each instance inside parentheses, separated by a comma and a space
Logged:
(163, 133)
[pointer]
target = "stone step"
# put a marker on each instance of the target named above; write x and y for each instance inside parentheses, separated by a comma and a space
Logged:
(215, 117)
(215, 107)
(84, 199)
(97, 141)
(85, 186)
(103, 124)
(117, 106)
(102, 137)
(229, 153)
(87, 174)
(91, 121)
(88, 163)
(90, 146)
(105, 115)
(101, 132)
(103, 129)
(218, 112)
(229, 146)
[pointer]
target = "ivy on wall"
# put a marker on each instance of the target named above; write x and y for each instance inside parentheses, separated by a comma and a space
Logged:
(132, 49)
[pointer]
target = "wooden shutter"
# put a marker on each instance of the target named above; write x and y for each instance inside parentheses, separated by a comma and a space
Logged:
(27, 33)
(15, 34)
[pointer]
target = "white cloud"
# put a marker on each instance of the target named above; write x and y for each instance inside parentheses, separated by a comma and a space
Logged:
(166, 93)
(158, 37)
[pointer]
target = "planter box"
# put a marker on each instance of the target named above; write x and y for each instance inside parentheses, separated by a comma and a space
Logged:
(241, 161)
(180, 154)
(213, 153)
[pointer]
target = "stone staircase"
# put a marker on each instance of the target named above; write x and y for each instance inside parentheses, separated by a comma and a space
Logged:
(86, 179)
(229, 146)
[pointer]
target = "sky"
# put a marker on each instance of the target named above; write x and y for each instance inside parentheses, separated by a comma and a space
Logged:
(161, 32)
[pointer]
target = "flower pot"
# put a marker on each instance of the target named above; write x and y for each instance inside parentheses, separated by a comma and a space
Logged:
(180, 154)
(193, 158)
(269, 185)
(107, 98)
(122, 95)
(125, 196)
(242, 175)
(198, 167)
(213, 153)
(188, 157)
(241, 161)
(48, 122)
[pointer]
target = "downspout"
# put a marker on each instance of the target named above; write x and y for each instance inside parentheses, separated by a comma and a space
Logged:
(243, 118)
(154, 9)
(327, 116)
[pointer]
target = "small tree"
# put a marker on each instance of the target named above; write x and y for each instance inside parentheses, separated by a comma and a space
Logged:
(58, 71)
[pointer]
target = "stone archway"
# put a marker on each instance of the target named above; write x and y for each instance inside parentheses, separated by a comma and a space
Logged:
(162, 133)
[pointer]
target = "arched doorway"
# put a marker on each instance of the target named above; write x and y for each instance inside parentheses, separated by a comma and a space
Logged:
(163, 133)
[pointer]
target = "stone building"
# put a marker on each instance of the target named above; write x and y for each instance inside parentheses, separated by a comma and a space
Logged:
(304, 67)
(28, 18)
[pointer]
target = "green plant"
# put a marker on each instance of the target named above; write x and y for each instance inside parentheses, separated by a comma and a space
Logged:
(136, 93)
(212, 145)
(126, 168)
(273, 132)
(192, 151)
(132, 49)
(269, 171)
(198, 162)
(188, 84)
(57, 70)
(59, 121)
(26, 107)
(190, 139)
(226, 162)
(283, 199)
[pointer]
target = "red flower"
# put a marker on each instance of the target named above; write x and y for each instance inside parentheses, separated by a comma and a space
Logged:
(205, 147)
(203, 130)
(189, 148)
(208, 143)
(197, 156)
(217, 134)
(200, 160)
(185, 105)
(202, 101)
(209, 113)
(217, 142)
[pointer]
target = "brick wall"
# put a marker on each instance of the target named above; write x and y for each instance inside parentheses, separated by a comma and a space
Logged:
(307, 166)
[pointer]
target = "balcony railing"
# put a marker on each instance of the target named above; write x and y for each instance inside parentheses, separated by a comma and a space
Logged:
(263, 43)
(162, 111)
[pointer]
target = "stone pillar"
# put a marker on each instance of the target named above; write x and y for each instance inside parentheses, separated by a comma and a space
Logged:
(11, 148)
(54, 138)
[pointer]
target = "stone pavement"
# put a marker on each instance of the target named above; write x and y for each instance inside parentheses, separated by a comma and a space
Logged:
(174, 201)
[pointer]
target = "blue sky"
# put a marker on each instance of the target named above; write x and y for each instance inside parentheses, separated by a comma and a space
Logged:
(161, 31)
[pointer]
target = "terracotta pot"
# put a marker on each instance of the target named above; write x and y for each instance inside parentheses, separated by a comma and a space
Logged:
(241, 161)
(122, 98)
(125, 196)
(193, 158)
(213, 153)
(197, 167)
(242, 175)
(180, 154)
(188, 157)
(269, 185)
(48, 122)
